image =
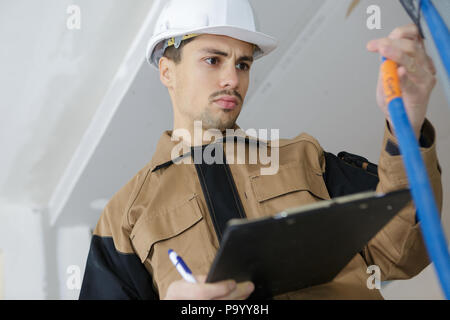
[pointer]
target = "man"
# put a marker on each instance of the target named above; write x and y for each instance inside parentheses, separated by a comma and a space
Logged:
(204, 58)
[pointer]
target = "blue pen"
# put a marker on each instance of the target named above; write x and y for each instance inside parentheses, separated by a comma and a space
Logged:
(181, 267)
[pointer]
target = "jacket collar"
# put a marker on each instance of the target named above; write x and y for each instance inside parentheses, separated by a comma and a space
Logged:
(163, 153)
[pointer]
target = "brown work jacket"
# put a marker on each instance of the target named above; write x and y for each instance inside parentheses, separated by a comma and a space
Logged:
(173, 205)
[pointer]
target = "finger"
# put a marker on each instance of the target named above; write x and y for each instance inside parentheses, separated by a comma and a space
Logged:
(409, 31)
(431, 65)
(207, 291)
(405, 81)
(405, 53)
(414, 56)
(242, 291)
(429, 62)
(200, 278)
(421, 43)
(405, 46)
(396, 46)
(183, 290)
(180, 290)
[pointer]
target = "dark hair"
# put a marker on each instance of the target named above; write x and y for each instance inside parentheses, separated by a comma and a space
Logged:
(174, 54)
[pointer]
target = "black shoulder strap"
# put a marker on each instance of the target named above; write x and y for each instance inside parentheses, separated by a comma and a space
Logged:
(349, 173)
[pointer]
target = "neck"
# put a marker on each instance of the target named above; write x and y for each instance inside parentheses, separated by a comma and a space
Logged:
(194, 134)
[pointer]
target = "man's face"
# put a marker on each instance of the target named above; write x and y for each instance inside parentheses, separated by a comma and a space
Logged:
(211, 67)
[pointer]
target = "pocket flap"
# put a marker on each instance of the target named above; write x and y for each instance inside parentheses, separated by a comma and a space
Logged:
(290, 177)
(165, 224)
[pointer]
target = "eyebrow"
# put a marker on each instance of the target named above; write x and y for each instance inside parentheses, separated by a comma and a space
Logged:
(221, 53)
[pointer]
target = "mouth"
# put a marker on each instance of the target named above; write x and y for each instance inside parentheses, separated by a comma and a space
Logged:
(227, 103)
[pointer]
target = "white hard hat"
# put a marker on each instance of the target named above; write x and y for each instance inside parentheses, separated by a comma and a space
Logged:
(180, 19)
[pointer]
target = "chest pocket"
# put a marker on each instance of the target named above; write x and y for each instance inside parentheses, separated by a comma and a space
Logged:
(181, 228)
(295, 184)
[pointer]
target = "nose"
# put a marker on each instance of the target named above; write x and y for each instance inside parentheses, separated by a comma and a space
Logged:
(230, 77)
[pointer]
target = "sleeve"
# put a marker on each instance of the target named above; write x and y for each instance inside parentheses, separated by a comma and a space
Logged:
(113, 275)
(399, 249)
(113, 270)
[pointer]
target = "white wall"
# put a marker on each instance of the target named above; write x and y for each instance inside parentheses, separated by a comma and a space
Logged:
(72, 249)
(53, 80)
(22, 245)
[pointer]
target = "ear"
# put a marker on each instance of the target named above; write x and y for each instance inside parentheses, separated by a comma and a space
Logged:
(166, 71)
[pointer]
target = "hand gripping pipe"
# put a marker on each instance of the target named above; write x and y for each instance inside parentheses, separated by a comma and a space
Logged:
(419, 183)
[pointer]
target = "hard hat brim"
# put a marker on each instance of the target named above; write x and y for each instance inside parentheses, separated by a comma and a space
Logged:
(265, 42)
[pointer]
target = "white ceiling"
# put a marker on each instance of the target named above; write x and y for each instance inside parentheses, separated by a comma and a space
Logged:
(71, 141)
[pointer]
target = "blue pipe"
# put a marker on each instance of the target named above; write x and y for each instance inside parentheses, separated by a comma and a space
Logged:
(427, 211)
(421, 191)
(439, 31)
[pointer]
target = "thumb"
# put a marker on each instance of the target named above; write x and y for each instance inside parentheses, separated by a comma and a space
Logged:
(200, 278)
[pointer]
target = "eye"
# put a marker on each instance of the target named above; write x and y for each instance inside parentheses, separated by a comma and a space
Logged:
(213, 59)
(246, 67)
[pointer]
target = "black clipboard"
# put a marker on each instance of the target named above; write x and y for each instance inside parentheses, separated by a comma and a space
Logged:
(304, 246)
